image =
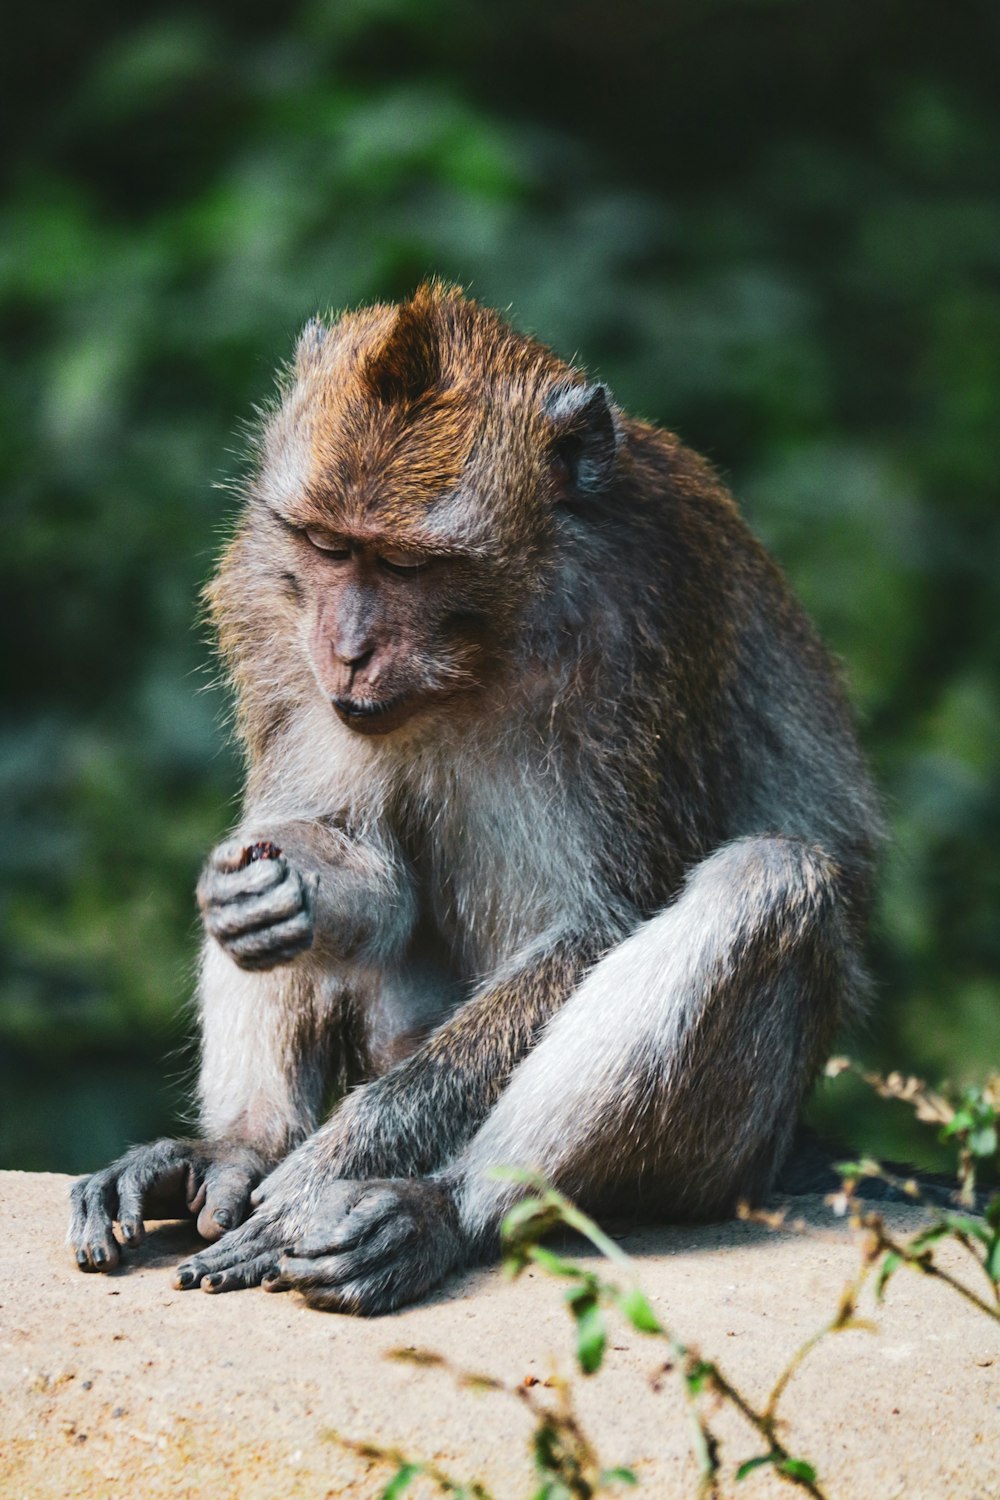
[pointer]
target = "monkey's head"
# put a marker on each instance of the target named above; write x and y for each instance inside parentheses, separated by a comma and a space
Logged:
(411, 506)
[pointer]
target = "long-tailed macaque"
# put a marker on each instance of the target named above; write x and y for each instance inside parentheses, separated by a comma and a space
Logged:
(556, 842)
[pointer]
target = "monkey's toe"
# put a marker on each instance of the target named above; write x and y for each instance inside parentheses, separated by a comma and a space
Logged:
(242, 1258)
(98, 1250)
(223, 1200)
(365, 1286)
(94, 1203)
(103, 1256)
(262, 1268)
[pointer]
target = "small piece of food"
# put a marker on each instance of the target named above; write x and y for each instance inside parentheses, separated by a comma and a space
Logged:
(253, 852)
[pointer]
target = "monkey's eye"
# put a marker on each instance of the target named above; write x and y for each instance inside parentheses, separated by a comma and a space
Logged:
(333, 547)
(396, 560)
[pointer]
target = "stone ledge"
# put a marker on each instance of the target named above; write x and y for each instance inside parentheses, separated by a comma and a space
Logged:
(121, 1384)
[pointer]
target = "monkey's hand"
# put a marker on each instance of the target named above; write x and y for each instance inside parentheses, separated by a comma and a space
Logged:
(256, 903)
(353, 1247)
(164, 1180)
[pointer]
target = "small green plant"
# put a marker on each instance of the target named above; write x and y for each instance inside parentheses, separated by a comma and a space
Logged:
(565, 1460)
(567, 1464)
(971, 1122)
(589, 1296)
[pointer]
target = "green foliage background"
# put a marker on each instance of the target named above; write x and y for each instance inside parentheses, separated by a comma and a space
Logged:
(773, 225)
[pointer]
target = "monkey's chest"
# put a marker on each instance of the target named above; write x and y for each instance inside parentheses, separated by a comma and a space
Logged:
(499, 869)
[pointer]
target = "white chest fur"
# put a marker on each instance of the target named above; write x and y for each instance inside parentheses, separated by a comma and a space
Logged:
(500, 849)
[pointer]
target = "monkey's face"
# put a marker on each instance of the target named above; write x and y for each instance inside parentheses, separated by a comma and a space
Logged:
(408, 502)
(390, 631)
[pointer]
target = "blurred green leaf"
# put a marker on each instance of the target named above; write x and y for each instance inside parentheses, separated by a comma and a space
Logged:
(698, 1376)
(888, 1268)
(591, 1336)
(760, 1462)
(635, 1305)
(797, 1468)
(400, 1481)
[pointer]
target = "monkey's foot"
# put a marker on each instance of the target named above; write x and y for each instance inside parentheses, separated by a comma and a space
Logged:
(360, 1247)
(163, 1180)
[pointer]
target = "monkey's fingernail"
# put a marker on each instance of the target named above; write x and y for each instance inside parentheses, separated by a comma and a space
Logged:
(213, 1281)
(100, 1256)
(81, 1259)
(223, 1218)
(184, 1278)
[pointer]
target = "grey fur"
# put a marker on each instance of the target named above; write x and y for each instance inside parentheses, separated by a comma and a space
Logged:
(597, 909)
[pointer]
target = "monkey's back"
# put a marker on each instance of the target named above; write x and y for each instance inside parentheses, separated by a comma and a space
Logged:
(726, 713)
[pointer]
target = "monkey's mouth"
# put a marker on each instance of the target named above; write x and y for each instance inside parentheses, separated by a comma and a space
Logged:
(373, 716)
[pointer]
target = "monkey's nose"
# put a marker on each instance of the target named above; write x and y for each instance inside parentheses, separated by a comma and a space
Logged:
(353, 657)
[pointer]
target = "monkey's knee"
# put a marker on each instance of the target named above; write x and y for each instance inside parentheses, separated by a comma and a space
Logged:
(673, 1077)
(751, 876)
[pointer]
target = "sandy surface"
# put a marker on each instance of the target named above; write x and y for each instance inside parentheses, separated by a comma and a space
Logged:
(119, 1384)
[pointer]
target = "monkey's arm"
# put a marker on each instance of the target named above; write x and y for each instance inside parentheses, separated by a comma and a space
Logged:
(268, 1027)
(411, 1120)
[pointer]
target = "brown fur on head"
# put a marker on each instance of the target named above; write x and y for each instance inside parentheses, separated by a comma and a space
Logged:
(431, 422)
(404, 507)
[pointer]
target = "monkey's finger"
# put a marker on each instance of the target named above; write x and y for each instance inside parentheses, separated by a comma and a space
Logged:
(254, 912)
(192, 1271)
(229, 855)
(234, 853)
(272, 945)
(256, 1238)
(219, 887)
(324, 1271)
(260, 962)
(247, 1273)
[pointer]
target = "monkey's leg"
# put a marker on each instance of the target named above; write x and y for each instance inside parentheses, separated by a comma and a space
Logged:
(409, 1121)
(674, 1075)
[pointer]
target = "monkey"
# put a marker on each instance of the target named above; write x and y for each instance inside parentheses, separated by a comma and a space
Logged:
(556, 849)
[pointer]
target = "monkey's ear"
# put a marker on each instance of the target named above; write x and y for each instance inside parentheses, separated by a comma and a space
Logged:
(584, 438)
(311, 340)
